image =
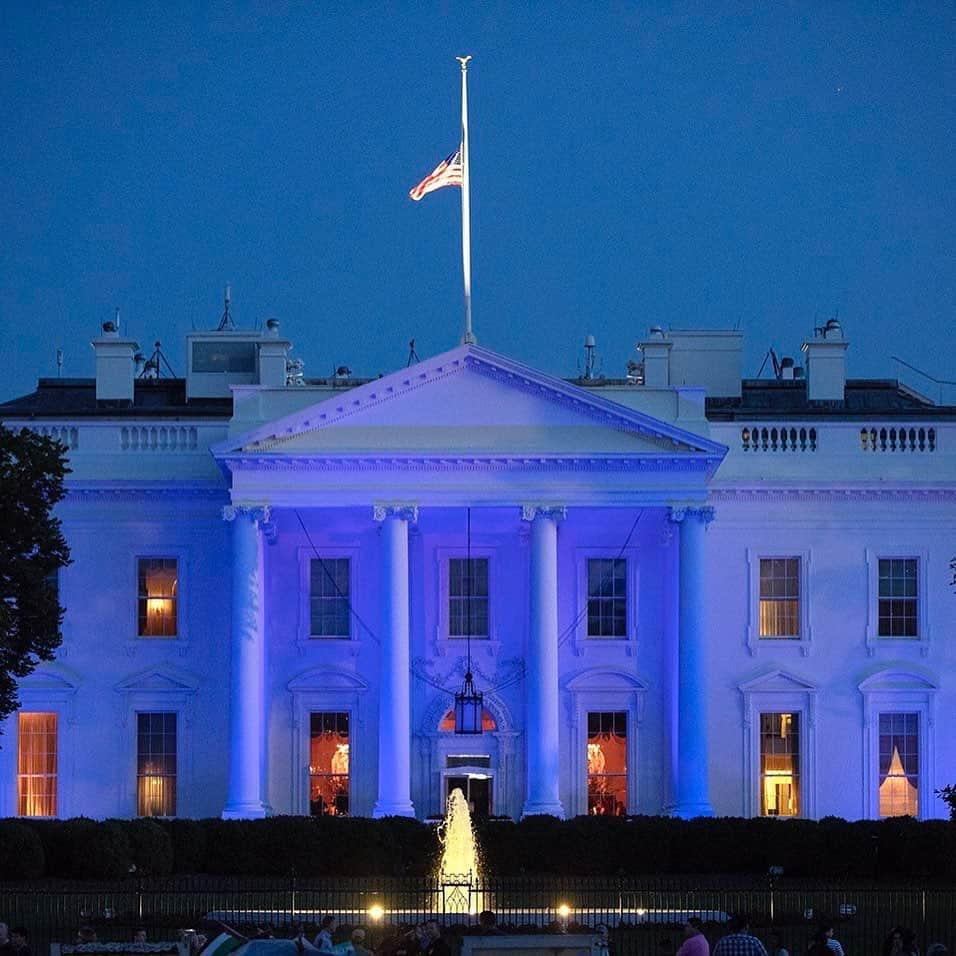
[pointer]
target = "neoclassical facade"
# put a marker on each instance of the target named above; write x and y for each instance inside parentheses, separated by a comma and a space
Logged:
(681, 592)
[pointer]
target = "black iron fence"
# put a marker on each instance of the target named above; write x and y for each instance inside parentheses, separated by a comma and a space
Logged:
(643, 914)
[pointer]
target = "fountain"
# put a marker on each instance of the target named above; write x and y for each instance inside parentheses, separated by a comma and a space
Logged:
(458, 872)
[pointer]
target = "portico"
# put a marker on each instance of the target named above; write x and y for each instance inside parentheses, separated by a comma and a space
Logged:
(551, 474)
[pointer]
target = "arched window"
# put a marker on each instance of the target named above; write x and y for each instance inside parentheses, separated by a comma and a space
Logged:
(447, 724)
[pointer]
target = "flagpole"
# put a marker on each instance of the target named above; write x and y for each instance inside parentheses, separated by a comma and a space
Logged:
(468, 338)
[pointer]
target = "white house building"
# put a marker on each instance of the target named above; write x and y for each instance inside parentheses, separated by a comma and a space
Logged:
(682, 592)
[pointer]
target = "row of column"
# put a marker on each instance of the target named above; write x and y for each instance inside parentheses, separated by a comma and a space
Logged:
(247, 752)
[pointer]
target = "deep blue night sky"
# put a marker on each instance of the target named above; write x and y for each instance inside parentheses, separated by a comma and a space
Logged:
(631, 165)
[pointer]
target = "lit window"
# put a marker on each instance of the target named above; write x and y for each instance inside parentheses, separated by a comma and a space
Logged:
(36, 765)
(780, 597)
(447, 723)
(158, 587)
(898, 597)
(899, 765)
(607, 763)
(468, 597)
(156, 765)
(329, 594)
(780, 765)
(607, 597)
(329, 764)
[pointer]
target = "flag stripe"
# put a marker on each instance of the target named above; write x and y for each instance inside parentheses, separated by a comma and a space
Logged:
(447, 173)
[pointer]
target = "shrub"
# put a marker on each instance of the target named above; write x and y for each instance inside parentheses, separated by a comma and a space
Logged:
(151, 849)
(21, 852)
(101, 851)
(584, 846)
(187, 838)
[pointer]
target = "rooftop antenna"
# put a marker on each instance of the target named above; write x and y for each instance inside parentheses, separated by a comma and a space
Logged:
(153, 366)
(772, 355)
(59, 362)
(412, 354)
(225, 323)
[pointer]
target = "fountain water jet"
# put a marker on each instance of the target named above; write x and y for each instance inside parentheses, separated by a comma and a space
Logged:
(458, 872)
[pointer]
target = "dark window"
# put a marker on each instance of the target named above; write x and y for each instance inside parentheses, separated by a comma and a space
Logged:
(224, 357)
(468, 760)
(607, 597)
(898, 597)
(156, 765)
(329, 598)
(468, 597)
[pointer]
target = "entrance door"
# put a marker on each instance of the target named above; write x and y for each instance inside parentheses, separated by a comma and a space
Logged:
(477, 791)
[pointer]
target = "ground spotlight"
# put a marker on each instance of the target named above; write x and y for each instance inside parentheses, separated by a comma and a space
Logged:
(564, 911)
(375, 912)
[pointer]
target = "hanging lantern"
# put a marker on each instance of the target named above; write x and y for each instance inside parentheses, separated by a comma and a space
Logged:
(468, 701)
(468, 708)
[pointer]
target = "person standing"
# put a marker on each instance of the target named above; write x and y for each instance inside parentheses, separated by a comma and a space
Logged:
(739, 942)
(695, 942)
(435, 944)
(833, 944)
(19, 944)
(323, 939)
(775, 945)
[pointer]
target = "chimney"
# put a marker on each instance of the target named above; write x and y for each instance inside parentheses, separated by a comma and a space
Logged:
(656, 351)
(825, 363)
(115, 366)
(273, 354)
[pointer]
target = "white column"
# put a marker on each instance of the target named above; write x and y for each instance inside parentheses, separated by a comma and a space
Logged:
(692, 798)
(247, 715)
(394, 712)
(541, 679)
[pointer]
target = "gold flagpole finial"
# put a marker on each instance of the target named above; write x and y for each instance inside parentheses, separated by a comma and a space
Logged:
(463, 60)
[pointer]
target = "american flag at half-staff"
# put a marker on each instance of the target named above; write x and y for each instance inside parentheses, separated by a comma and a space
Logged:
(447, 173)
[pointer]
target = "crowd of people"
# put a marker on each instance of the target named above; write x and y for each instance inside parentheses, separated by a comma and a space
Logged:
(14, 942)
(739, 941)
(428, 939)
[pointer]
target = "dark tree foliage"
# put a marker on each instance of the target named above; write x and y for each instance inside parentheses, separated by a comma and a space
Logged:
(32, 550)
(948, 796)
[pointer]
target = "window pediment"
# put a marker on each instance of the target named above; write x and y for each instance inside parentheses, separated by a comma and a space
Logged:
(159, 680)
(895, 680)
(327, 680)
(778, 681)
(51, 678)
(602, 679)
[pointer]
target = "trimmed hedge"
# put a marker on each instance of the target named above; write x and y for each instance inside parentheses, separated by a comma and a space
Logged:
(21, 852)
(900, 848)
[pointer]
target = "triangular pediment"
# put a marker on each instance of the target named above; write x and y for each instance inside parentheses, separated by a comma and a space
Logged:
(778, 682)
(50, 678)
(468, 402)
(158, 680)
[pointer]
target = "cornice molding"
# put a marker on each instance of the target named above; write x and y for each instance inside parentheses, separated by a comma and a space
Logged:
(459, 463)
(811, 493)
(144, 492)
